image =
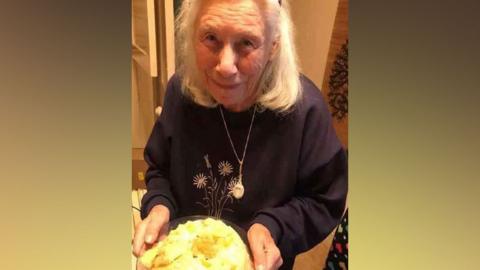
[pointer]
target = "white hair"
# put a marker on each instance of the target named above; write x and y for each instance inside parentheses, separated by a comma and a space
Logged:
(279, 85)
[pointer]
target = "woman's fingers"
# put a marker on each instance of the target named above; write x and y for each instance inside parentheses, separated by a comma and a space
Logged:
(149, 230)
(138, 239)
(273, 258)
(259, 256)
(256, 242)
(153, 228)
(266, 255)
(158, 218)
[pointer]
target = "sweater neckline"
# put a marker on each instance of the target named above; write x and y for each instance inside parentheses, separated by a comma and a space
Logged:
(237, 119)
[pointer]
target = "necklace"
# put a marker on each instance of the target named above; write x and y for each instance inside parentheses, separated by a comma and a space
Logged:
(238, 188)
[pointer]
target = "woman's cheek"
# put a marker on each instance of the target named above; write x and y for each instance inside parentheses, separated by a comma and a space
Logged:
(205, 59)
(252, 65)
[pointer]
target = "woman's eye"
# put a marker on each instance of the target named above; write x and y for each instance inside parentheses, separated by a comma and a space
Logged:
(211, 41)
(247, 43)
(210, 38)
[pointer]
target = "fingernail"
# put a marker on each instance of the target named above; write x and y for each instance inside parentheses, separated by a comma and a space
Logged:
(260, 267)
(149, 239)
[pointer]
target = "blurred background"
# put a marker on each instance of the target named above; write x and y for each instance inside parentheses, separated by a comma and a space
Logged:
(322, 47)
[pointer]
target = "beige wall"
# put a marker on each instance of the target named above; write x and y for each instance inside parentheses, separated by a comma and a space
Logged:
(313, 20)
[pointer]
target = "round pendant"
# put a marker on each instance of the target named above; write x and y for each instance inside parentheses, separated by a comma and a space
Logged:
(238, 190)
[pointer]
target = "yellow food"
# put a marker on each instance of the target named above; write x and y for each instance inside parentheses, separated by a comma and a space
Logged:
(199, 245)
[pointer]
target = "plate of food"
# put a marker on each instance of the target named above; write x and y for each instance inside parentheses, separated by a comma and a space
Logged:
(200, 243)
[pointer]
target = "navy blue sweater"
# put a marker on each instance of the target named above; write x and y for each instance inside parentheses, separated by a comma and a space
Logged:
(294, 172)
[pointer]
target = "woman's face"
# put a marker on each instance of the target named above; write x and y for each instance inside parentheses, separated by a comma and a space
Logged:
(232, 47)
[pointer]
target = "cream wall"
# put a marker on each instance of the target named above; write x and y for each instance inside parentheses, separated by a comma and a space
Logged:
(313, 21)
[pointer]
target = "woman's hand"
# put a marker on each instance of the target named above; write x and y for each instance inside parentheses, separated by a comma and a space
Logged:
(150, 230)
(266, 255)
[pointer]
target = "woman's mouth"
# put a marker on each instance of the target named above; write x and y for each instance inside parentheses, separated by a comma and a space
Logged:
(226, 85)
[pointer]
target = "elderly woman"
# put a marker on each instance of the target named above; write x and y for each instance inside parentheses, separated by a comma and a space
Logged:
(243, 136)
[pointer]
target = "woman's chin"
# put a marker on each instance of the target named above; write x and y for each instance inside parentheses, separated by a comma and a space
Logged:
(227, 102)
(229, 105)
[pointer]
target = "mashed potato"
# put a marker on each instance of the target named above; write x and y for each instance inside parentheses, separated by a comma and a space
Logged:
(199, 245)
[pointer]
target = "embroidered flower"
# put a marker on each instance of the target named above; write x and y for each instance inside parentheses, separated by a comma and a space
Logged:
(225, 168)
(217, 194)
(200, 180)
(231, 185)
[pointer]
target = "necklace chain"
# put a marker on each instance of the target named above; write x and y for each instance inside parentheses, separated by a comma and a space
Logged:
(240, 161)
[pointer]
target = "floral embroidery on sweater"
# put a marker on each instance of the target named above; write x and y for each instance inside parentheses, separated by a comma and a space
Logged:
(218, 189)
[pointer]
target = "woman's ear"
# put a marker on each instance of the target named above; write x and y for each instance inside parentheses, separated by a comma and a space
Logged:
(274, 49)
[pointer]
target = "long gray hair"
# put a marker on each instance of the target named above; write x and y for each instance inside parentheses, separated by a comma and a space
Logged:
(279, 84)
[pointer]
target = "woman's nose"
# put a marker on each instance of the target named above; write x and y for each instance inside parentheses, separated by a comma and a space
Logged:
(227, 64)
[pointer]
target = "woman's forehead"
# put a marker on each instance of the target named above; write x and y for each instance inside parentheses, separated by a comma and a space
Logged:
(244, 16)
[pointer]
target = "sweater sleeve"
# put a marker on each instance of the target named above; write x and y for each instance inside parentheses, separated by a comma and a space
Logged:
(157, 156)
(321, 188)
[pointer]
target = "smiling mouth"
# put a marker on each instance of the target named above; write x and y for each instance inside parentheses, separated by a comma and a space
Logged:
(226, 86)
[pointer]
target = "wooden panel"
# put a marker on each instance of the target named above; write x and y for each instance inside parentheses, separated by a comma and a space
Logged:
(315, 258)
(335, 84)
(140, 25)
(166, 45)
(143, 105)
(139, 167)
(137, 153)
(152, 37)
(144, 70)
(135, 204)
(144, 37)
(169, 38)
